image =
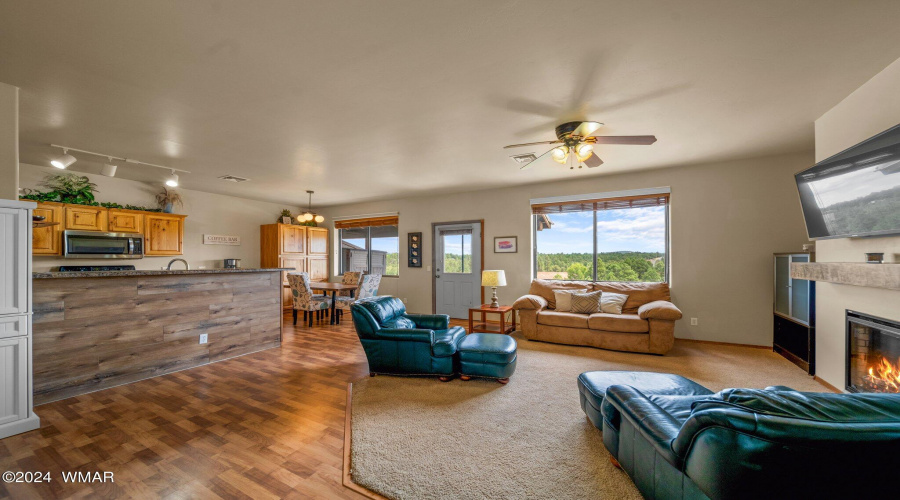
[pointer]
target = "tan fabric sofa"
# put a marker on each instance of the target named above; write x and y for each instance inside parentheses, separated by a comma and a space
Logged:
(647, 322)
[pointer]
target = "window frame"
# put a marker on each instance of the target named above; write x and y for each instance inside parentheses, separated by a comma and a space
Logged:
(368, 239)
(667, 253)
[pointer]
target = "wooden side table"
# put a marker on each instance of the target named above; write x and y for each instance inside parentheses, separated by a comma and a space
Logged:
(485, 326)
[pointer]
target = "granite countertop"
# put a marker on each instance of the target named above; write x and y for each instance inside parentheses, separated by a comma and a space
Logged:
(160, 272)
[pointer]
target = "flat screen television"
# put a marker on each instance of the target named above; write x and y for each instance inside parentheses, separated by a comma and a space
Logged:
(856, 192)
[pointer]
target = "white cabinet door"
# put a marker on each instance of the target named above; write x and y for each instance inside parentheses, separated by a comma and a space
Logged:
(13, 326)
(13, 379)
(14, 279)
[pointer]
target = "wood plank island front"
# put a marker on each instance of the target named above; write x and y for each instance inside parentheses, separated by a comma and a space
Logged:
(95, 330)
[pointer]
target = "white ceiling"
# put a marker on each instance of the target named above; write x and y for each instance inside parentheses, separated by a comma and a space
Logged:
(367, 100)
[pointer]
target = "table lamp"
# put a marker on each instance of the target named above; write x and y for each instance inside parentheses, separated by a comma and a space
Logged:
(493, 279)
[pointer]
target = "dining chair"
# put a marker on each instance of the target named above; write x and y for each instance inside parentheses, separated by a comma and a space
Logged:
(304, 300)
(367, 287)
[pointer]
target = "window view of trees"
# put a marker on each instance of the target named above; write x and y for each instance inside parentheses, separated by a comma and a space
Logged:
(611, 266)
(458, 253)
(631, 245)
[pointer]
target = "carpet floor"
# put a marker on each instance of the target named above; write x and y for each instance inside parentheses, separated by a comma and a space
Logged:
(418, 438)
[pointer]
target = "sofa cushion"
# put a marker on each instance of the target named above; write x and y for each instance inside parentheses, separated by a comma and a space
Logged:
(399, 323)
(822, 407)
(628, 323)
(563, 300)
(586, 303)
(544, 288)
(567, 319)
(612, 302)
(638, 293)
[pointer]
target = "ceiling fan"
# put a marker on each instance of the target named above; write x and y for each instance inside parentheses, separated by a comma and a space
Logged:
(576, 144)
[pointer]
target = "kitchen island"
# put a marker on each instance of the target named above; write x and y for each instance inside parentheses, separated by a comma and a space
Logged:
(98, 329)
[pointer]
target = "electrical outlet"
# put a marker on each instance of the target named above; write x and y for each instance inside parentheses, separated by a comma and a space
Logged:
(693, 321)
(428, 268)
(204, 338)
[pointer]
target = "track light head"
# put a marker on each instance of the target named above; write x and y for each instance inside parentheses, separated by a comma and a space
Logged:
(173, 180)
(63, 161)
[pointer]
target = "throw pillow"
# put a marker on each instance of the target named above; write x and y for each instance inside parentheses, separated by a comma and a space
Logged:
(563, 300)
(586, 303)
(612, 302)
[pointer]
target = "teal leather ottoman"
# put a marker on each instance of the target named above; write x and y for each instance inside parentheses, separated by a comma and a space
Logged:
(488, 355)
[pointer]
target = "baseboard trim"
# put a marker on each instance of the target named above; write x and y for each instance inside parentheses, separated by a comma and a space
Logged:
(827, 385)
(347, 477)
(19, 426)
(713, 342)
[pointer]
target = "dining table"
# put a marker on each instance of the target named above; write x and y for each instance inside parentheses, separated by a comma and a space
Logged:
(334, 288)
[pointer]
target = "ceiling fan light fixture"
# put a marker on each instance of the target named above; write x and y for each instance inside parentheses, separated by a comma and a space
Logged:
(584, 151)
(560, 153)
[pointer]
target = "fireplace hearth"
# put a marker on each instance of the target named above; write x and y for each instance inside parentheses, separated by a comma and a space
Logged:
(873, 354)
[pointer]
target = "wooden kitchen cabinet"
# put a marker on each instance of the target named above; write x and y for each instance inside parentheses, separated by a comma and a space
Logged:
(86, 218)
(48, 240)
(126, 221)
(317, 240)
(293, 239)
(318, 268)
(163, 234)
(302, 248)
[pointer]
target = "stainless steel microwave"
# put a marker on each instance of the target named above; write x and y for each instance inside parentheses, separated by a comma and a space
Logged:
(97, 245)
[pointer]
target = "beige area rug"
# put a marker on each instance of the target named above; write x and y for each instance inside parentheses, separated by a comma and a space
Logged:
(418, 438)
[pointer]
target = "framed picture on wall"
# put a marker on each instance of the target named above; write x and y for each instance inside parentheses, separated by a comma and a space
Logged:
(414, 249)
(506, 244)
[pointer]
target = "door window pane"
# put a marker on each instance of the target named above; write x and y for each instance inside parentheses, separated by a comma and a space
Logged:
(457, 253)
(354, 250)
(565, 246)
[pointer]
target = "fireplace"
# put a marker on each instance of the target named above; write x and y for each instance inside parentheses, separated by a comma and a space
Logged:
(873, 354)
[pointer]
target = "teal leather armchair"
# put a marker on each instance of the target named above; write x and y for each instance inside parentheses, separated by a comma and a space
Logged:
(750, 443)
(410, 344)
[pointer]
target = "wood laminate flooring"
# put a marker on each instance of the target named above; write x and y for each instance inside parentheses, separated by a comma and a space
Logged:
(264, 425)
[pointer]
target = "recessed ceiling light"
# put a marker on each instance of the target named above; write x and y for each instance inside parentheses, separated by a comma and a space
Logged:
(524, 158)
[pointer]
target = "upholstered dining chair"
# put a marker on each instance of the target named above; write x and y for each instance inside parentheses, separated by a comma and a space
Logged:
(304, 300)
(367, 287)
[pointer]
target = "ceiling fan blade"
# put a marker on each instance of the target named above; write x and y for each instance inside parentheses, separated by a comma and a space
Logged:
(536, 159)
(530, 144)
(641, 140)
(586, 129)
(593, 161)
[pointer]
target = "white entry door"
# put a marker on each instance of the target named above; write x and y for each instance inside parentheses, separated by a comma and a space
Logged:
(457, 268)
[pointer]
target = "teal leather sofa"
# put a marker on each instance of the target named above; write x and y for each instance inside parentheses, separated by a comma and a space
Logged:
(409, 344)
(751, 443)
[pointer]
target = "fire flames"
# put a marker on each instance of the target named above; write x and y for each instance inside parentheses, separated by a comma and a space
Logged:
(884, 377)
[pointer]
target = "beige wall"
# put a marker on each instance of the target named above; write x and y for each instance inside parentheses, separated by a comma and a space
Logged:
(872, 108)
(726, 221)
(207, 214)
(9, 141)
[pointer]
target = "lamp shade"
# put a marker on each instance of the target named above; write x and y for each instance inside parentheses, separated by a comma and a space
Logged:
(493, 278)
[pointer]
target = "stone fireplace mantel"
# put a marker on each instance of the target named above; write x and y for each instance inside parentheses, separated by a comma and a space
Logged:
(849, 273)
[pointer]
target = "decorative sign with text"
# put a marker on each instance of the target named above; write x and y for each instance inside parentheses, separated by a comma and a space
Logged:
(217, 239)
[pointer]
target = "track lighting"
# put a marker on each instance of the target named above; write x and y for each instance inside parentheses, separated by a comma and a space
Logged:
(173, 180)
(63, 161)
(109, 169)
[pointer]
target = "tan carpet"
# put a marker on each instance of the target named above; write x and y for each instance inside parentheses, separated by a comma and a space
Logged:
(418, 438)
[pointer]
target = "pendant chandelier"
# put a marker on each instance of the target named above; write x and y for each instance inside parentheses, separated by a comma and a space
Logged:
(309, 215)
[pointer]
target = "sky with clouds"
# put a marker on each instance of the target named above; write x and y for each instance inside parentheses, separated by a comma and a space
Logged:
(635, 230)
